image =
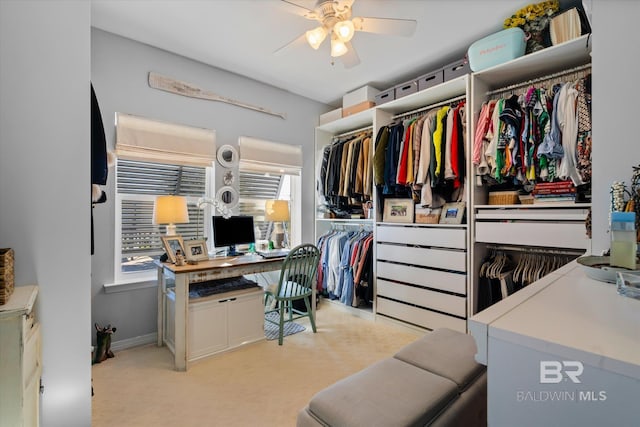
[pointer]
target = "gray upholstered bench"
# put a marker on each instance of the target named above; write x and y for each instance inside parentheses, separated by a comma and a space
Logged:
(432, 381)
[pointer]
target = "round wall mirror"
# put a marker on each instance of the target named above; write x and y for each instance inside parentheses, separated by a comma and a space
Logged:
(227, 156)
(229, 196)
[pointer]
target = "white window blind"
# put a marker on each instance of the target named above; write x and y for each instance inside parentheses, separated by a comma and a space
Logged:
(138, 184)
(139, 138)
(255, 189)
(271, 157)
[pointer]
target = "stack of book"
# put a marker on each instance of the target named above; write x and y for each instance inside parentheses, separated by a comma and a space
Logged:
(554, 192)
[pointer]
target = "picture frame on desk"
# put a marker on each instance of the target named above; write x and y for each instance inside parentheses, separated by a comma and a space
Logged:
(398, 210)
(172, 244)
(196, 250)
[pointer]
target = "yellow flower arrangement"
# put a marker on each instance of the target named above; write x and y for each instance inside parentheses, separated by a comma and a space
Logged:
(531, 13)
(533, 20)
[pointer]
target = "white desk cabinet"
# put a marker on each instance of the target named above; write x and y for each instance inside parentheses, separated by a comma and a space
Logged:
(20, 360)
(219, 322)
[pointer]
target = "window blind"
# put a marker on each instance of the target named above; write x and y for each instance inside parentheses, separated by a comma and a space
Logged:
(139, 138)
(255, 189)
(137, 184)
(271, 157)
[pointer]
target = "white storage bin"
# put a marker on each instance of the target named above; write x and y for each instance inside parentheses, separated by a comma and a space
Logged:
(424, 236)
(436, 258)
(434, 300)
(363, 94)
(419, 316)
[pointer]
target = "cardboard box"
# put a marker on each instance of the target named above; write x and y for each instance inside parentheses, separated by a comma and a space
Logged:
(358, 96)
(349, 111)
(330, 116)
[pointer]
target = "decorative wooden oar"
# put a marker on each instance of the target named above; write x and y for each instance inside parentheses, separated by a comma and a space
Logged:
(171, 85)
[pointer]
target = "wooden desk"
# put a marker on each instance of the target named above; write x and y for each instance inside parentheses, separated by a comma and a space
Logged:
(183, 276)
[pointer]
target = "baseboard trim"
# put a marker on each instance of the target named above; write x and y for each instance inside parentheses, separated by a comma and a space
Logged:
(134, 342)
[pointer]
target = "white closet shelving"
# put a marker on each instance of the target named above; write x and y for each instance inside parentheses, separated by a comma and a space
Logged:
(549, 226)
(426, 275)
(421, 269)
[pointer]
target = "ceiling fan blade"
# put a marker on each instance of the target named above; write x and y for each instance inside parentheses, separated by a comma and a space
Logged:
(299, 9)
(298, 41)
(351, 58)
(396, 27)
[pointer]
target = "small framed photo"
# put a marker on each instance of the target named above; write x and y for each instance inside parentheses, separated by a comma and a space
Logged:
(196, 250)
(173, 245)
(398, 210)
(452, 213)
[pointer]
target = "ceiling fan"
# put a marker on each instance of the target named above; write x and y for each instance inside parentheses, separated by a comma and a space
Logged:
(336, 23)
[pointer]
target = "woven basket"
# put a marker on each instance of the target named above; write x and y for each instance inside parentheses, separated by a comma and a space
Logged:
(6, 274)
(503, 198)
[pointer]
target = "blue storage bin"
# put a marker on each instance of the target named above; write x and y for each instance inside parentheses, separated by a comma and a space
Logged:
(497, 48)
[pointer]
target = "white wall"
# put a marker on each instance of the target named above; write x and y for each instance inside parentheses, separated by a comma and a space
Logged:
(616, 90)
(45, 187)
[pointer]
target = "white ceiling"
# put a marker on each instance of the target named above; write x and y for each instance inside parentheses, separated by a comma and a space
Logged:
(241, 36)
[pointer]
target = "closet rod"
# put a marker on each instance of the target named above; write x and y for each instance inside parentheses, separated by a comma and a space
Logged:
(540, 79)
(352, 132)
(343, 226)
(517, 248)
(428, 107)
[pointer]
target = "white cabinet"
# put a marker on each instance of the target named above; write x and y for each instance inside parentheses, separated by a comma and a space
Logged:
(520, 229)
(20, 360)
(219, 323)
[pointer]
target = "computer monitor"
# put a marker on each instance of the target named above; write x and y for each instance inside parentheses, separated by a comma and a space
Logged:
(232, 231)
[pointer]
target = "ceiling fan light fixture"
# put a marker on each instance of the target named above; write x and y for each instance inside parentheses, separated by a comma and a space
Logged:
(344, 30)
(316, 36)
(338, 48)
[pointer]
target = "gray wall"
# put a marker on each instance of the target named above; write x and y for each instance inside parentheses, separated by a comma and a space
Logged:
(615, 113)
(45, 184)
(119, 69)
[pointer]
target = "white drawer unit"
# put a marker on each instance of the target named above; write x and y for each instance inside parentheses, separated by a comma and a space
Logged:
(419, 316)
(544, 227)
(218, 323)
(423, 236)
(421, 275)
(436, 279)
(21, 360)
(426, 257)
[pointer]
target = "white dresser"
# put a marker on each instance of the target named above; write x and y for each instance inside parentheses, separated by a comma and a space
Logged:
(20, 359)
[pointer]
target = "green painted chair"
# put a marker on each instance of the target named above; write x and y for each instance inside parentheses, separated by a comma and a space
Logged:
(297, 278)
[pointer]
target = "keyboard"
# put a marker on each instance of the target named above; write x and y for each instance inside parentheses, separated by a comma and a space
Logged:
(275, 253)
(212, 287)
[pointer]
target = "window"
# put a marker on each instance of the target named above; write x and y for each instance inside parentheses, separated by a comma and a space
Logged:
(138, 241)
(258, 187)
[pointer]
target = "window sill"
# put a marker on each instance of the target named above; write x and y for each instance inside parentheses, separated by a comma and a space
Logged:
(111, 288)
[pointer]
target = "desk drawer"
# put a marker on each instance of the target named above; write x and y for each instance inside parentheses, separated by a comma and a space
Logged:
(423, 236)
(437, 258)
(435, 279)
(419, 316)
(434, 300)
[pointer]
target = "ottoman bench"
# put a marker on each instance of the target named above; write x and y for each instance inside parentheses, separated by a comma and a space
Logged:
(433, 381)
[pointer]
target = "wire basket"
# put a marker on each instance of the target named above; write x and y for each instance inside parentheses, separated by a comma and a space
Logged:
(504, 198)
(6, 274)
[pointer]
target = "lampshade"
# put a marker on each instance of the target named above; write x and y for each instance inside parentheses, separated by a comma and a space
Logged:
(338, 48)
(170, 210)
(344, 30)
(276, 210)
(316, 36)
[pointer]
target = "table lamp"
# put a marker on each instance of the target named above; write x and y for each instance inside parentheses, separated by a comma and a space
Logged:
(170, 210)
(277, 211)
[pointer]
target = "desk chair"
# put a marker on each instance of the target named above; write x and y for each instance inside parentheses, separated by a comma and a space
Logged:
(297, 278)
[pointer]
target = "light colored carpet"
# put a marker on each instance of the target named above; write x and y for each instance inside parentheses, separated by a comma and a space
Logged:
(272, 331)
(261, 384)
